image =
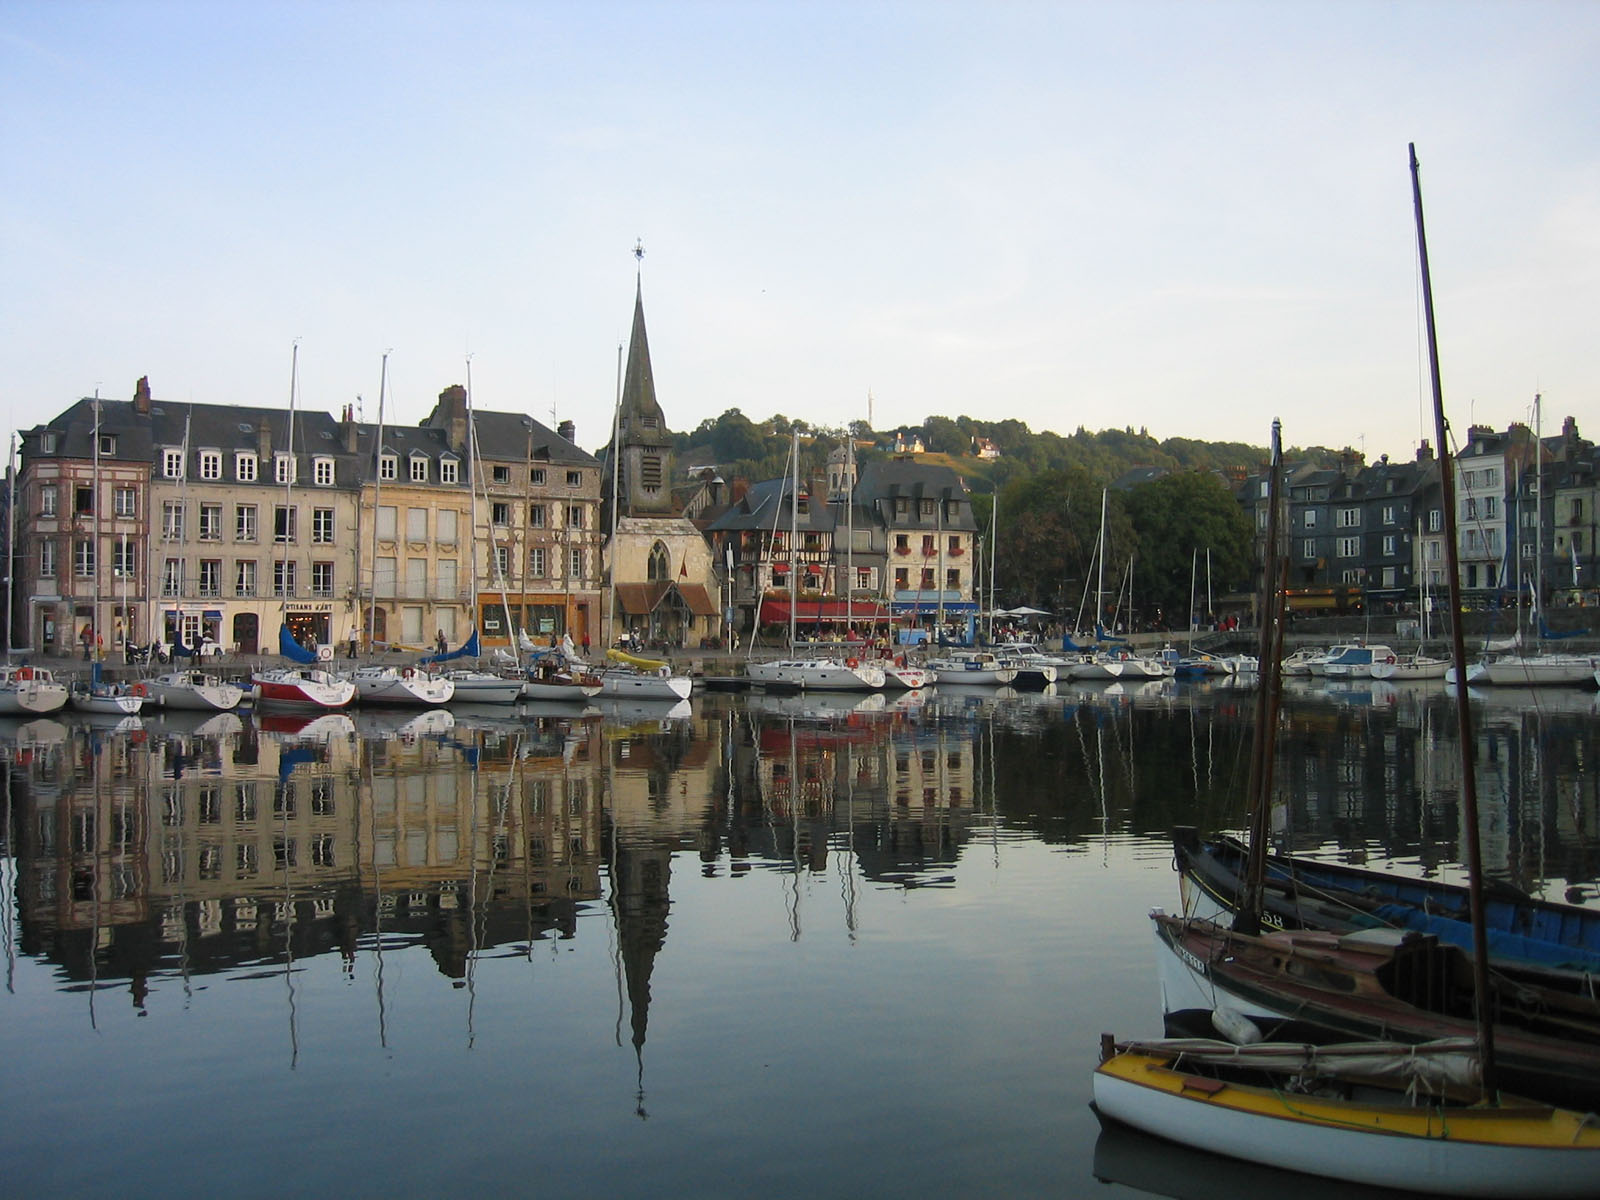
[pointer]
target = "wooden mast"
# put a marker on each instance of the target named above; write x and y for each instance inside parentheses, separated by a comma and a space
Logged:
(1458, 655)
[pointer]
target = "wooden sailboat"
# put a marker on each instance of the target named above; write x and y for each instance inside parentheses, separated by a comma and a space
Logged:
(1424, 1132)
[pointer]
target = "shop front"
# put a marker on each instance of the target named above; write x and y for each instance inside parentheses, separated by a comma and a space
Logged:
(311, 625)
(191, 624)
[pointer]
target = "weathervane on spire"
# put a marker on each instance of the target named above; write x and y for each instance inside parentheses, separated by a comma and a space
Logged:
(638, 250)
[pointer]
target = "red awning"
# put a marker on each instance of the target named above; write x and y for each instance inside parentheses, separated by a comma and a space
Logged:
(776, 612)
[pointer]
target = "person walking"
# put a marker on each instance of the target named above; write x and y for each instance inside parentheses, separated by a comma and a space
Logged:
(438, 640)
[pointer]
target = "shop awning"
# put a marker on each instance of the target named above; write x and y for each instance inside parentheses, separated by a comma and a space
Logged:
(776, 612)
(949, 607)
(641, 599)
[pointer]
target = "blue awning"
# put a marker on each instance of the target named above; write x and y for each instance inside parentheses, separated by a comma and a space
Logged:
(949, 607)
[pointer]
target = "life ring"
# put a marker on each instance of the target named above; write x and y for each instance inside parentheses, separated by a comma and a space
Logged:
(139, 689)
(25, 673)
(664, 672)
(852, 663)
(407, 673)
(1390, 659)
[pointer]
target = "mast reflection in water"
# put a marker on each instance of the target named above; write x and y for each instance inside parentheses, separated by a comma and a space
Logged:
(778, 944)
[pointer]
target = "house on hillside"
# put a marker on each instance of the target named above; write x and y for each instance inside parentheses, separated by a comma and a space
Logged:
(985, 449)
(909, 441)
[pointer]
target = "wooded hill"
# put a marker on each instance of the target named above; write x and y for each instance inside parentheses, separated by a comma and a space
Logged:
(741, 448)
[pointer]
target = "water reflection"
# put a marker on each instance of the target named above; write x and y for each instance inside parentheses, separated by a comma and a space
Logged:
(186, 846)
(707, 878)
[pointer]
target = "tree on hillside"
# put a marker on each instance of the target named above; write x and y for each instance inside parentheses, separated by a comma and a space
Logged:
(1175, 517)
(1048, 526)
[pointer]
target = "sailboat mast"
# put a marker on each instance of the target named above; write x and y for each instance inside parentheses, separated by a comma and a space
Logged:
(11, 555)
(288, 491)
(95, 479)
(994, 546)
(1100, 580)
(1536, 607)
(616, 470)
(794, 530)
(849, 528)
(1264, 744)
(377, 493)
(1458, 655)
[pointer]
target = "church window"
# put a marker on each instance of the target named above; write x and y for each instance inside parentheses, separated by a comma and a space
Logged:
(660, 566)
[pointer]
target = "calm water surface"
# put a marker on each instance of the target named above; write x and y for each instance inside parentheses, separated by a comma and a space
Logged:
(784, 947)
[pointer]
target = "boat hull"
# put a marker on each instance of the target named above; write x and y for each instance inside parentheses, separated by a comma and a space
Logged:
(1464, 1151)
(205, 694)
(302, 689)
(115, 706)
(404, 688)
(634, 685)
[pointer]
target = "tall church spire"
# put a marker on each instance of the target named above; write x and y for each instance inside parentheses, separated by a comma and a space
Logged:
(644, 444)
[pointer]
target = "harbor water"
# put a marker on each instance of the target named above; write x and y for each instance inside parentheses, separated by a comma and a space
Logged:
(748, 945)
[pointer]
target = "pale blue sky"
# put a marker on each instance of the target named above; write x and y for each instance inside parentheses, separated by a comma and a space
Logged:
(1187, 217)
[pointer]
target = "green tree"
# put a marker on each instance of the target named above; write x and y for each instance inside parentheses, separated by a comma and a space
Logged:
(1178, 517)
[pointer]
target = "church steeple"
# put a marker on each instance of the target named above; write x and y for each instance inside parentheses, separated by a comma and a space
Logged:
(644, 444)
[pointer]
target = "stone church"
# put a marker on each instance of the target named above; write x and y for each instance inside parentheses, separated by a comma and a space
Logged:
(666, 588)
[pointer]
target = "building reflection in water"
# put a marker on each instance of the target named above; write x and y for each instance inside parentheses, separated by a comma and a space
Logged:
(186, 847)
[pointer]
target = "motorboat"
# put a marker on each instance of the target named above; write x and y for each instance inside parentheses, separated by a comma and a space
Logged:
(302, 687)
(408, 686)
(832, 674)
(633, 684)
(1409, 667)
(973, 668)
(557, 678)
(30, 691)
(1319, 665)
(1538, 670)
(1300, 662)
(196, 691)
(484, 687)
(635, 678)
(1357, 662)
(900, 674)
(107, 700)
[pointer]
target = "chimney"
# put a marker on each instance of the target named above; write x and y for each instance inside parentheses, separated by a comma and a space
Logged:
(348, 429)
(141, 396)
(1425, 452)
(567, 430)
(1477, 433)
(453, 408)
(264, 442)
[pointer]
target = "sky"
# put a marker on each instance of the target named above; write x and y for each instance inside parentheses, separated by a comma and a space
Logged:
(1187, 218)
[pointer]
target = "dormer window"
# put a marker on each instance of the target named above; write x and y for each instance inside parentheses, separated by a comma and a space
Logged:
(447, 470)
(322, 471)
(283, 468)
(926, 508)
(388, 466)
(47, 442)
(108, 444)
(172, 463)
(419, 468)
(210, 464)
(244, 467)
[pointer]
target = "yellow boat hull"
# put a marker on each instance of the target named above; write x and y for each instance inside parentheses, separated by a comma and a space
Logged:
(1505, 1150)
